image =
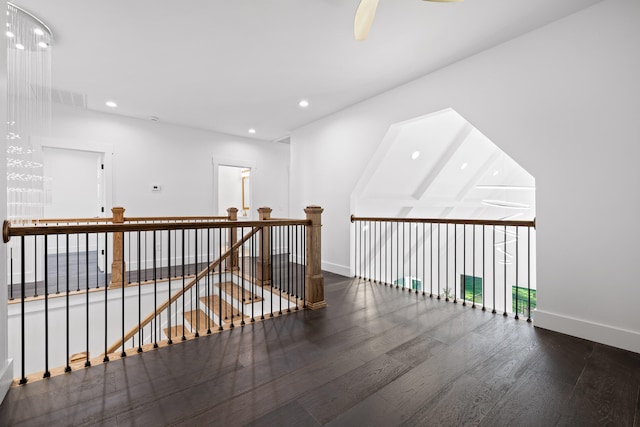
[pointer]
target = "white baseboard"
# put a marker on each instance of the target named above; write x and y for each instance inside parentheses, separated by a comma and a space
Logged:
(609, 335)
(336, 268)
(6, 377)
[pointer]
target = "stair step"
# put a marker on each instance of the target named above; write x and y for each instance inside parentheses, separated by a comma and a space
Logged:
(195, 316)
(77, 357)
(176, 332)
(247, 296)
(213, 302)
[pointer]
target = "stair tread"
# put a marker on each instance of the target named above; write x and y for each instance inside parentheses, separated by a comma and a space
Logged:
(197, 315)
(247, 296)
(176, 331)
(213, 302)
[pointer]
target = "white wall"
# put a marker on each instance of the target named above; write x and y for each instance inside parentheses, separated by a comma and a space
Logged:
(564, 102)
(6, 369)
(177, 158)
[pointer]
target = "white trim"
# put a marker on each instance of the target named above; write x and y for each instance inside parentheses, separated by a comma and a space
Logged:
(605, 334)
(336, 268)
(6, 377)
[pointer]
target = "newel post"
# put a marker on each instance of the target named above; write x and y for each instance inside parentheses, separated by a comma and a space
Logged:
(233, 239)
(264, 257)
(117, 265)
(314, 281)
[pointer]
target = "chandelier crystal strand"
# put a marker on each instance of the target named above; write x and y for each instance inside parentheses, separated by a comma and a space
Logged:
(28, 112)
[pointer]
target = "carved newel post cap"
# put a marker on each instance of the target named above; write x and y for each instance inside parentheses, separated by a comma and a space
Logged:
(313, 209)
(118, 214)
(229, 210)
(264, 213)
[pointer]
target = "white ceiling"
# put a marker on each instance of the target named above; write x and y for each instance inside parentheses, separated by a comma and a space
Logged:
(229, 66)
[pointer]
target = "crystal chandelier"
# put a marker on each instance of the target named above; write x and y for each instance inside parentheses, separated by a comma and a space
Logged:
(28, 111)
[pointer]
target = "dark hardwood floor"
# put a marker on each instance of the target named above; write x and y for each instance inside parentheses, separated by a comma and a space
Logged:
(376, 356)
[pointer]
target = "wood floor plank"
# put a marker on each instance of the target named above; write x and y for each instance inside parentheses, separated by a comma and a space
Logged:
(410, 392)
(417, 350)
(329, 401)
(637, 418)
(372, 411)
(502, 370)
(537, 399)
(267, 397)
(292, 414)
(463, 402)
(605, 393)
(562, 356)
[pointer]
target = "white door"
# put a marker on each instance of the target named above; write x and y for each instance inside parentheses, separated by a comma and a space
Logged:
(74, 189)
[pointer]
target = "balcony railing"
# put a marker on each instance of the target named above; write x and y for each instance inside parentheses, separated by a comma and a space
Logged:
(482, 263)
(87, 291)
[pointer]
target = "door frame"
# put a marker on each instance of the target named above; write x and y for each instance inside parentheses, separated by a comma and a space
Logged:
(106, 150)
(236, 163)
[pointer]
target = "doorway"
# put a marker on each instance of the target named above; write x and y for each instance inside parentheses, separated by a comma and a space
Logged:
(234, 190)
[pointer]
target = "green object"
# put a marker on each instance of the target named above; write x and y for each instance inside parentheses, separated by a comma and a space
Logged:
(415, 283)
(468, 289)
(523, 300)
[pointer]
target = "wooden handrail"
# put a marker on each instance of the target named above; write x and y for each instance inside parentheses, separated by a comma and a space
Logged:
(68, 220)
(508, 223)
(129, 219)
(176, 218)
(9, 231)
(181, 292)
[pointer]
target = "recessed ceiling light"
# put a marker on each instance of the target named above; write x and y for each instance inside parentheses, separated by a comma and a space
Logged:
(10, 34)
(111, 104)
(43, 45)
(464, 165)
(252, 131)
(303, 103)
(415, 155)
(39, 32)
(19, 46)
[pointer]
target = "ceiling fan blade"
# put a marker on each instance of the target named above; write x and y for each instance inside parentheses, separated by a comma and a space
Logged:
(364, 18)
